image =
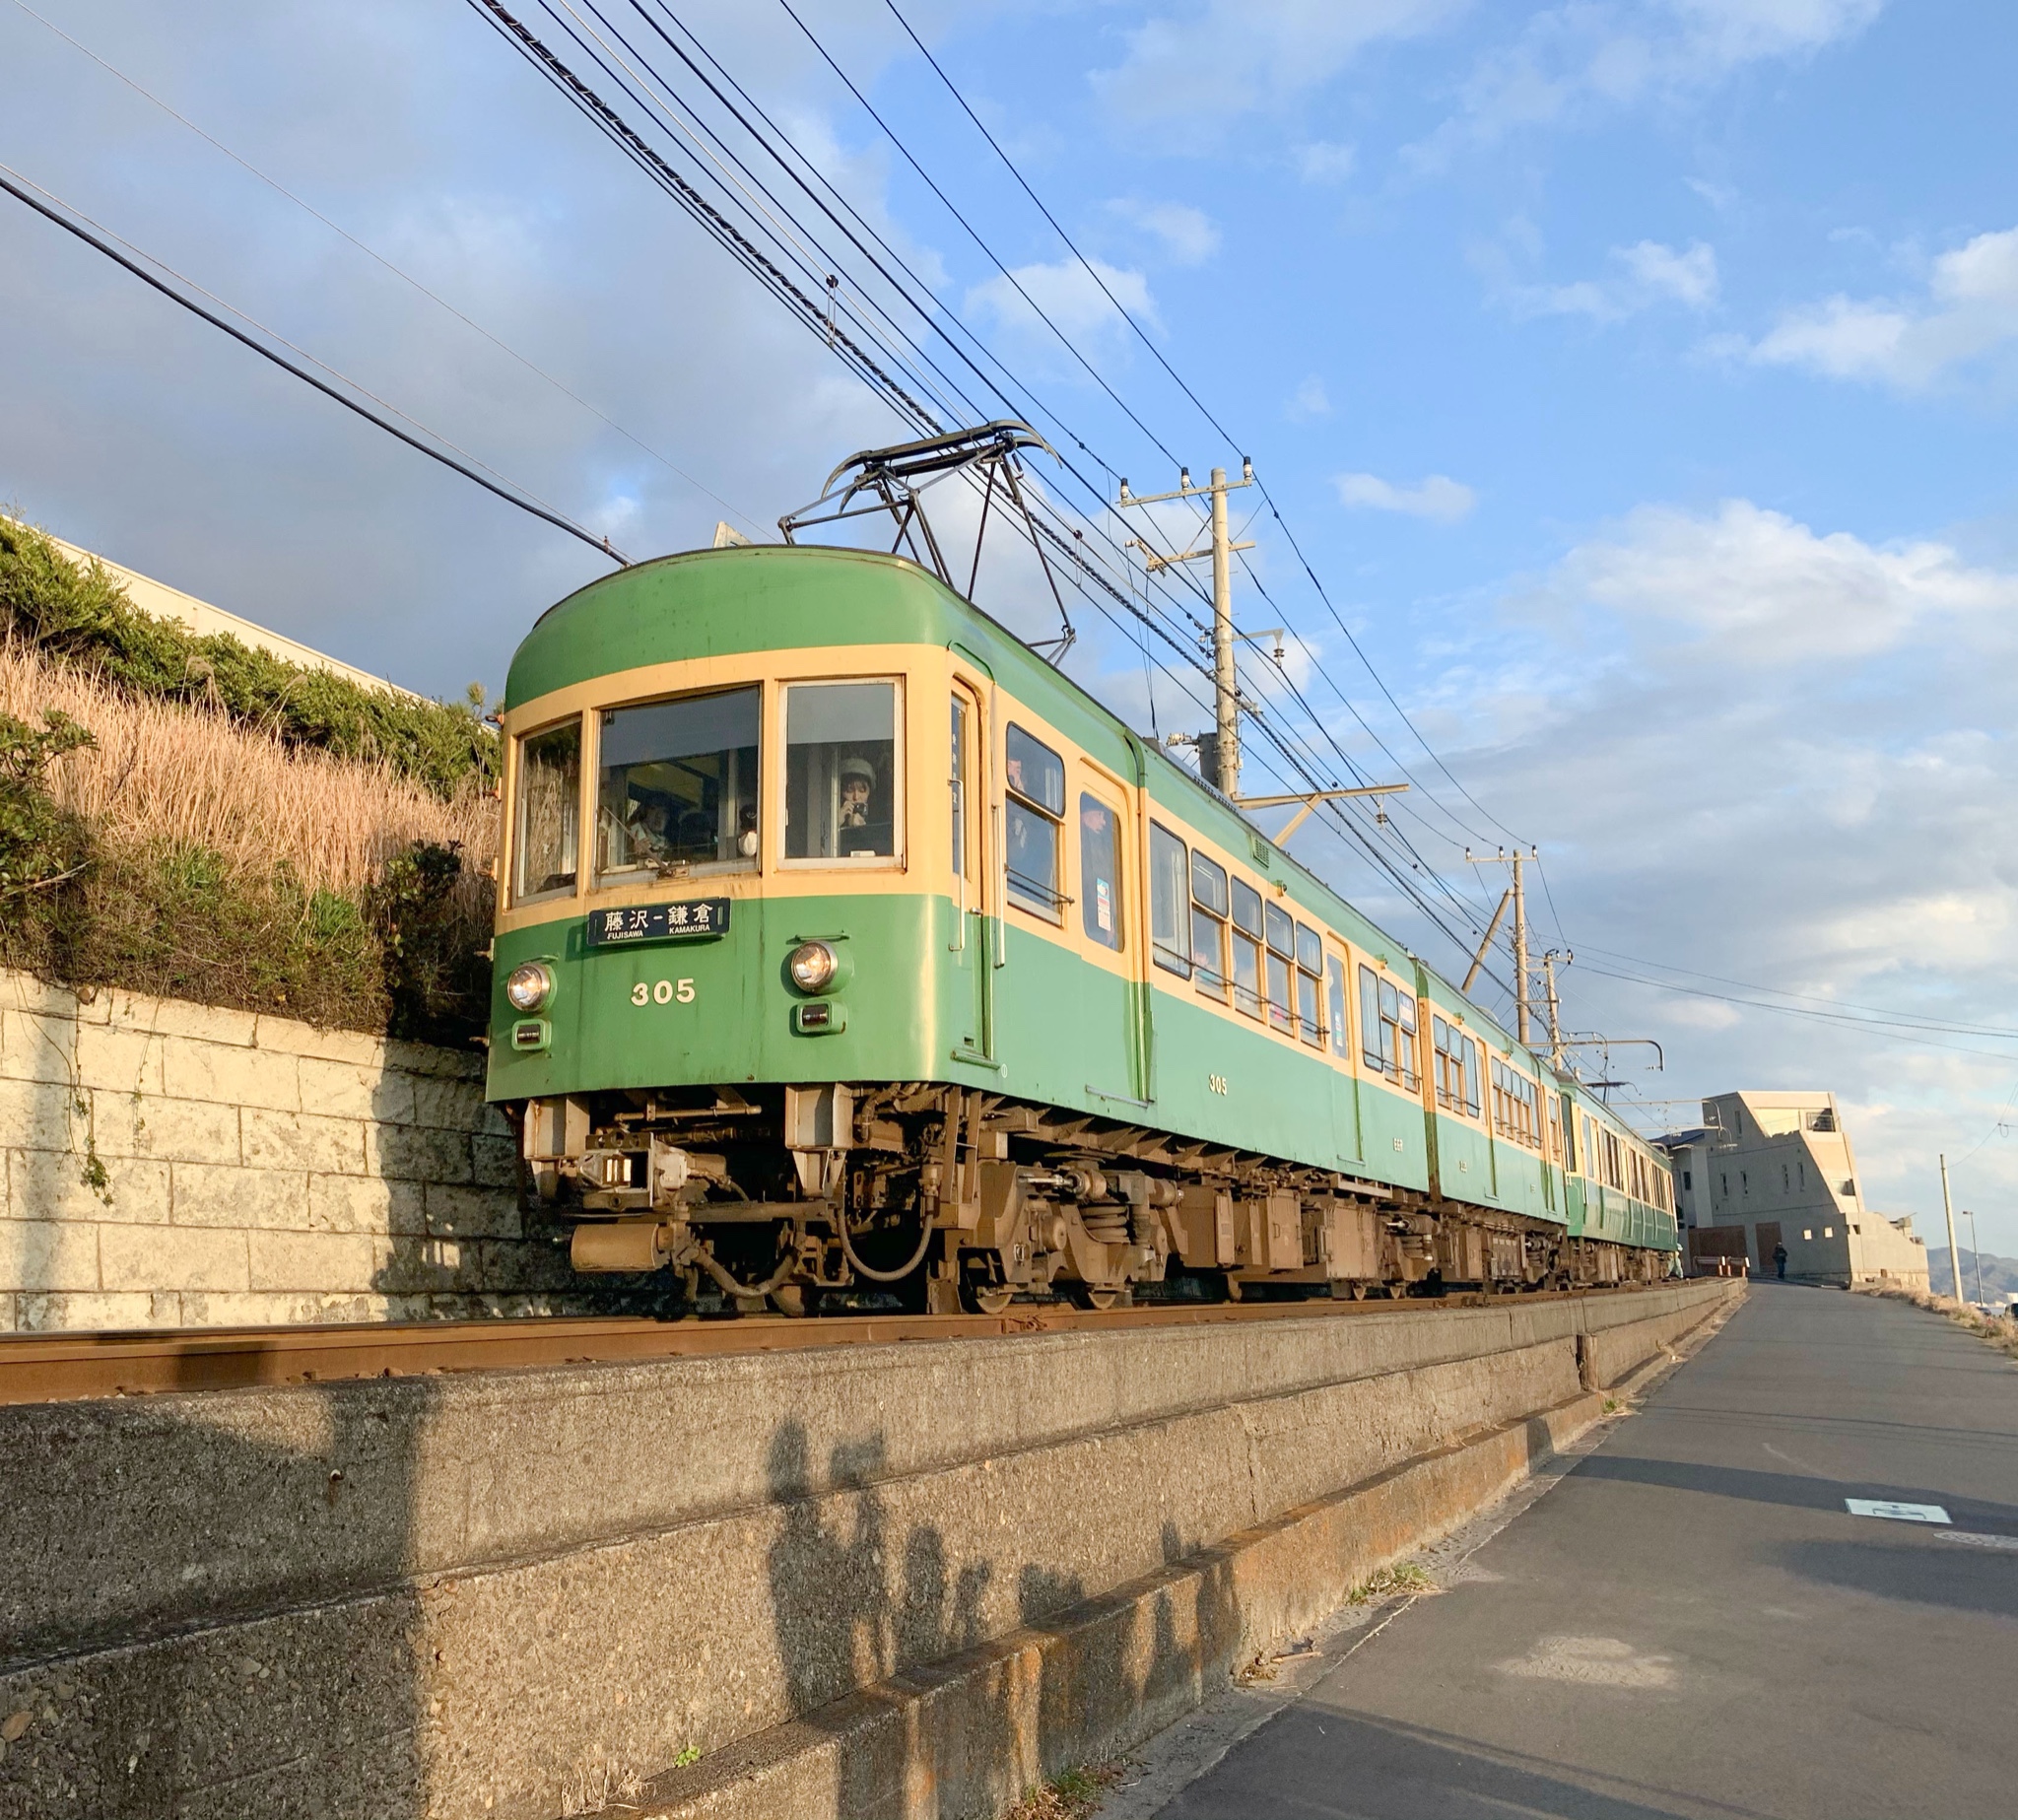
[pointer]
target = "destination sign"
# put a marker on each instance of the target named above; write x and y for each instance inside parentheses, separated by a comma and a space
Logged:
(658, 922)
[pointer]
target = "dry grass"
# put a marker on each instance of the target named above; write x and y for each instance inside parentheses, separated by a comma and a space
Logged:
(2002, 1334)
(1073, 1797)
(164, 775)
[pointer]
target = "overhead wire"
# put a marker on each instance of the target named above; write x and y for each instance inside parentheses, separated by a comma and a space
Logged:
(372, 253)
(74, 222)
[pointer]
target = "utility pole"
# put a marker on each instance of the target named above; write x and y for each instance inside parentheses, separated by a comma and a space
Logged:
(1522, 1014)
(1222, 765)
(1948, 1208)
(1548, 968)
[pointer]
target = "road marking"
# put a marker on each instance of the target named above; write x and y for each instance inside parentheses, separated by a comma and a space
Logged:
(1898, 1513)
(1981, 1541)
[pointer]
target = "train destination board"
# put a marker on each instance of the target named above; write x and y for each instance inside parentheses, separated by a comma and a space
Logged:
(658, 922)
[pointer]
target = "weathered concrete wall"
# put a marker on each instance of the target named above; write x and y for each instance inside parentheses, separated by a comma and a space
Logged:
(501, 1593)
(168, 1165)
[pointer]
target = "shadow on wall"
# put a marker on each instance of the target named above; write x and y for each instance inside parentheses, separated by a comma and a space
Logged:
(266, 1577)
(844, 1623)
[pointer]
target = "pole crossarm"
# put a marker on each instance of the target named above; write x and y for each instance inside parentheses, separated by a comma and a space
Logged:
(1309, 799)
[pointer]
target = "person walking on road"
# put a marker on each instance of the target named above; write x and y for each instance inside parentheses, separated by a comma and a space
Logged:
(1780, 1261)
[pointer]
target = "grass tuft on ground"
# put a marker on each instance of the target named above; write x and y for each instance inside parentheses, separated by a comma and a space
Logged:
(2000, 1333)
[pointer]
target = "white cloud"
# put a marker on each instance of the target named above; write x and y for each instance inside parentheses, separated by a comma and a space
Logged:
(1068, 295)
(1647, 273)
(1323, 162)
(1579, 58)
(1746, 582)
(1209, 65)
(1970, 309)
(1308, 400)
(1187, 234)
(1438, 497)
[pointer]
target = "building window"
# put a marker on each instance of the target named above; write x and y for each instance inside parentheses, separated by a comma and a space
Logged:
(1034, 810)
(841, 786)
(1208, 925)
(1688, 1182)
(1170, 863)
(1807, 1232)
(1828, 1232)
(1100, 872)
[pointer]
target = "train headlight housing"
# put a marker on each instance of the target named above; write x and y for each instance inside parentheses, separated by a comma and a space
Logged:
(814, 967)
(529, 986)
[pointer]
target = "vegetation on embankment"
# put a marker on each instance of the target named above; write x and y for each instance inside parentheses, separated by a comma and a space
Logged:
(1999, 1332)
(194, 822)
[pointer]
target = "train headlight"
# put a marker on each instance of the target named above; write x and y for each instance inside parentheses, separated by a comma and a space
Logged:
(812, 967)
(529, 986)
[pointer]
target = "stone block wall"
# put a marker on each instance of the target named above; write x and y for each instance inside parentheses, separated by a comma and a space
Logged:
(168, 1165)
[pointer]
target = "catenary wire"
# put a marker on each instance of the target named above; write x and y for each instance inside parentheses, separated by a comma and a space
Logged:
(503, 490)
(372, 253)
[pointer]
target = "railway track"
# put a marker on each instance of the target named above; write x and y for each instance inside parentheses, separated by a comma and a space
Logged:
(69, 1367)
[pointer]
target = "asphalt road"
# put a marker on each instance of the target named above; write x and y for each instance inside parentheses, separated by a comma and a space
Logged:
(1691, 1623)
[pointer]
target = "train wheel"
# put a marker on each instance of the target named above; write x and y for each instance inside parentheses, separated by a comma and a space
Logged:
(990, 1300)
(1098, 1300)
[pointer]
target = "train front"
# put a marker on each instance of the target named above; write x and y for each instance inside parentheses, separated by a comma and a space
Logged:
(723, 769)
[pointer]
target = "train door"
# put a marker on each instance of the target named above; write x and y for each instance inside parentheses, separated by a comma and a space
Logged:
(1102, 824)
(1345, 1086)
(975, 940)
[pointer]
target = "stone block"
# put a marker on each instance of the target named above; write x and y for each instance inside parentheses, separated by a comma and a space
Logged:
(426, 1058)
(431, 1266)
(35, 1047)
(495, 1160)
(471, 1213)
(414, 1153)
(93, 1310)
(160, 1257)
(24, 992)
(41, 1256)
(171, 1130)
(325, 1263)
(446, 1105)
(225, 1194)
(113, 1060)
(357, 1047)
(43, 1115)
(356, 1089)
(52, 1185)
(302, 1140)
(366, 1204)
(176, 1016)
(225, 1074)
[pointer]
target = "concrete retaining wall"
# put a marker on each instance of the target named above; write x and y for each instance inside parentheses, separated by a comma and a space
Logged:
(166, 1165)
(511, 1593)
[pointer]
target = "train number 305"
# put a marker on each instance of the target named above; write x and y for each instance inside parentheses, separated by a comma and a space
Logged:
(664, 992)
(1217, 1082)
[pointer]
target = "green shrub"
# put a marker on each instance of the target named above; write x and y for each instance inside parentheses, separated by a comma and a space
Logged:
(40, 842)
(80, 615)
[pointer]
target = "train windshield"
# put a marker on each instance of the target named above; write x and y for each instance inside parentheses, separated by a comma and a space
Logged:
(841, 786)
(549, 813)
(678, 788)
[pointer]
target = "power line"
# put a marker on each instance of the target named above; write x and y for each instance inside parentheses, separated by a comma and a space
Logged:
(372, 253)
(503, 490)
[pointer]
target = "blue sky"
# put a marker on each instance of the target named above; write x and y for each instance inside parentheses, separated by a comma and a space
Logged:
(1639, 378)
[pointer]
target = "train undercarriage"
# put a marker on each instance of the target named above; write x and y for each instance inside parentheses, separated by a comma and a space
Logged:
(949, 1198)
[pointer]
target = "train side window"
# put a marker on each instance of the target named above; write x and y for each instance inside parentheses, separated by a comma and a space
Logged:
(1247, 948)
(1341, 1025)
(1170, 867)
(676, 788)
(1310, 987)
(1099, 871)
(1446, 1064)
(1281, 967)
(1208, 925)
(1374, 1030)
(1404, 1039)
(1474, 1074)
(547, 835)
(1035, 812)
(841, 788)
(956, 780)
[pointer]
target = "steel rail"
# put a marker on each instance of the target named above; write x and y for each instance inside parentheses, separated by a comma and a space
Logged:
(71, 1367)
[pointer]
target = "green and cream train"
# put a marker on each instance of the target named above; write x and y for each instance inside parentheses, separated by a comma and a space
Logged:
(845, 946)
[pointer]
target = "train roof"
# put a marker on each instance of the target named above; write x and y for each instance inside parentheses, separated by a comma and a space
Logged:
(751, 597)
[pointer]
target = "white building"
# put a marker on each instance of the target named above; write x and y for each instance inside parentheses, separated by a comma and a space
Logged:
(1771, 1169)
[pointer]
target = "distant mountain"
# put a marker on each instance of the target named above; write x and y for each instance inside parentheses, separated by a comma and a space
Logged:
(1999, 1275)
